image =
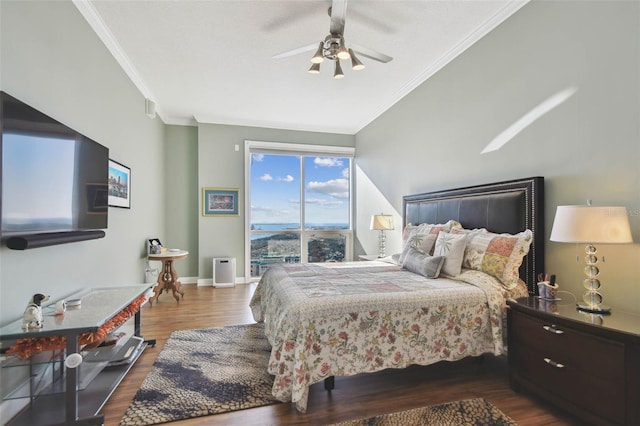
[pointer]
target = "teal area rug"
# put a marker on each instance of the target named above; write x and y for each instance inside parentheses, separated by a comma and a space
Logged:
(204, 372)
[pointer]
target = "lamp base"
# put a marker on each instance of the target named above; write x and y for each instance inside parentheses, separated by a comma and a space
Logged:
(600, 309)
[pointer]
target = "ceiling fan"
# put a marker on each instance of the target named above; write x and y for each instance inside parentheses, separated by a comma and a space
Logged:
(334, 48)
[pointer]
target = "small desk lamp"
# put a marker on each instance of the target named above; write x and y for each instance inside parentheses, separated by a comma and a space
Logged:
(589, 225)
(381, 222)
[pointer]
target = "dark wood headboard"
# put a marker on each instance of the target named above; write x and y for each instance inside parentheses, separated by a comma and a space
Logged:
(510, 206)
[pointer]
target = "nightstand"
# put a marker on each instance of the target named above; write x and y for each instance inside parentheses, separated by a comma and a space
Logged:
(584, 363)
(368, 257)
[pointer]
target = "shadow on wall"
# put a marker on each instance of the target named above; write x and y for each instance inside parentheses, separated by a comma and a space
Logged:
(370, 201)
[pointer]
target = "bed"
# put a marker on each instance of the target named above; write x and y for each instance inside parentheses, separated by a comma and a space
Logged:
(341, 319)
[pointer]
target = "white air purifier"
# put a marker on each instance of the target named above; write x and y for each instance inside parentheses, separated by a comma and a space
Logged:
(224, 271)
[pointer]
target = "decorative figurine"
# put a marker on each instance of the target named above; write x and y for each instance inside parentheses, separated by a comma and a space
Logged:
(32, 317)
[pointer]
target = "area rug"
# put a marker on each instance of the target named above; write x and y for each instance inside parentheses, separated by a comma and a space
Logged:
(203, 372)
(472, 412)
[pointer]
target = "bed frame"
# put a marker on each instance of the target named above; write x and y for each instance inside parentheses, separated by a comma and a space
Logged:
(503, 207)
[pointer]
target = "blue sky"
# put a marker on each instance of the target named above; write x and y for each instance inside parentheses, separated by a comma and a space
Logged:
(118, 174)
(275, 189)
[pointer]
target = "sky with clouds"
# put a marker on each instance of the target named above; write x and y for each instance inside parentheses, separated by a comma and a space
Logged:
(276, 185)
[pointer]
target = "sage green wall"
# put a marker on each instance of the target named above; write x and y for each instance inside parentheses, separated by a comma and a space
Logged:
(588, 147)
(180, 182)
(53, 60)
(221, 166)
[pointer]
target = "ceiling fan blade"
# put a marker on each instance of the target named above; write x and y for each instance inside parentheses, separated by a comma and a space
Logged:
(338, 16)
(303, 49)
(371, 54)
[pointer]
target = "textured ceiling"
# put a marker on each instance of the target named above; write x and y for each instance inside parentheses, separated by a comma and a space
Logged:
(211, 61)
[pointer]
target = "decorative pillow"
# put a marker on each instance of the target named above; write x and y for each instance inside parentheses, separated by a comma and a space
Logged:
(470, 233)
(419, 240)
(451, 246)
(499, 255)
(407, 231)
(466, 231)
(428, 228)
(423, 264)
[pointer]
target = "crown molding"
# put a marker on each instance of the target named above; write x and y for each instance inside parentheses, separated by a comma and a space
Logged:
(91, 15)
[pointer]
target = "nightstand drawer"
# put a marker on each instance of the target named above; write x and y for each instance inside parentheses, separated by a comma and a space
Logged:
(586, 364)
(582, 369)
(595, 393)
(586, 354)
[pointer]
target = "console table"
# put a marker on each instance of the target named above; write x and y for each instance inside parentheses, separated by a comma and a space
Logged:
(168, 277)
(63, 403)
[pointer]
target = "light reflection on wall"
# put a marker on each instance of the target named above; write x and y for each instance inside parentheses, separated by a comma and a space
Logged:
(523, 122)
(40, 166)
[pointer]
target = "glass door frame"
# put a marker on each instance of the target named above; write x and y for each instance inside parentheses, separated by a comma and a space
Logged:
(278, 148)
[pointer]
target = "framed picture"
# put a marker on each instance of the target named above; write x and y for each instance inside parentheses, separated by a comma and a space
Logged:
(119, 185)
(220, 202)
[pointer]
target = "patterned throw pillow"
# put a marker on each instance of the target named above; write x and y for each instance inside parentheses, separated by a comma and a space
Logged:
(428, 228)
(451, 246)
(423, 264)
(422, 237)
(420, 241)
(470, 233)
(499, 255)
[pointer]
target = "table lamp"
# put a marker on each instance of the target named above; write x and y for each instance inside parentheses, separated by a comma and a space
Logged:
(591, 225)
(381, 222)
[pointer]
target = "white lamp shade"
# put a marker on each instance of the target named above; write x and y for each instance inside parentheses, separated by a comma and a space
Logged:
(590, 225)
(381, 222)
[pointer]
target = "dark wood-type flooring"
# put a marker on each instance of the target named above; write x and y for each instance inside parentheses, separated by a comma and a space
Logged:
(354, 397)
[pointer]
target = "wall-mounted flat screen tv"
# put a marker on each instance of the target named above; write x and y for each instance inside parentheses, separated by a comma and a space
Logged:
(54, 179)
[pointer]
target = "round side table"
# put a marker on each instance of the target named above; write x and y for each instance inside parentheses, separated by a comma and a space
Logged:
(168, 277)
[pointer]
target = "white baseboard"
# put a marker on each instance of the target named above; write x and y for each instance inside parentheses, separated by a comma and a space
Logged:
(209, 282)
(204, 282)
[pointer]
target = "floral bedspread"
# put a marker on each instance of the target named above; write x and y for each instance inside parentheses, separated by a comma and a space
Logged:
(340, 319)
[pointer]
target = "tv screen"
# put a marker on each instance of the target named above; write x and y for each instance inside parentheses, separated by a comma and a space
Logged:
(54, 179)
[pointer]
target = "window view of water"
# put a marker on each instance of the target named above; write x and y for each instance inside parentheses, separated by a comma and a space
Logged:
(298, 200)
(269, 247)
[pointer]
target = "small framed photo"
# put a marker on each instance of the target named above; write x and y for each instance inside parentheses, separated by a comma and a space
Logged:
(119, 185)
(154, 246)
(220, 201)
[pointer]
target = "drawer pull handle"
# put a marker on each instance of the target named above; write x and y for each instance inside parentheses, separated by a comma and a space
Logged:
(553, 363)
(552, 329)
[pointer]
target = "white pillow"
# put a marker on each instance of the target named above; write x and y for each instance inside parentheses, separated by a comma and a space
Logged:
(451, 246)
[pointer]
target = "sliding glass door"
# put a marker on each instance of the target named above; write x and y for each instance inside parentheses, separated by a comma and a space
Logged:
(300, 208)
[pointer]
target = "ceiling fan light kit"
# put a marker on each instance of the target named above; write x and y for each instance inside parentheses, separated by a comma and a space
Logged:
(342, 51)
(338, 72)
(318, 57)
(315, 69)
(334, 47)
(356, 65)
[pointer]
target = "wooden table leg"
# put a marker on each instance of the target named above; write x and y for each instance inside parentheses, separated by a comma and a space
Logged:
(176, 285)
(164, 281)
(167, 280)
(157, 290)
